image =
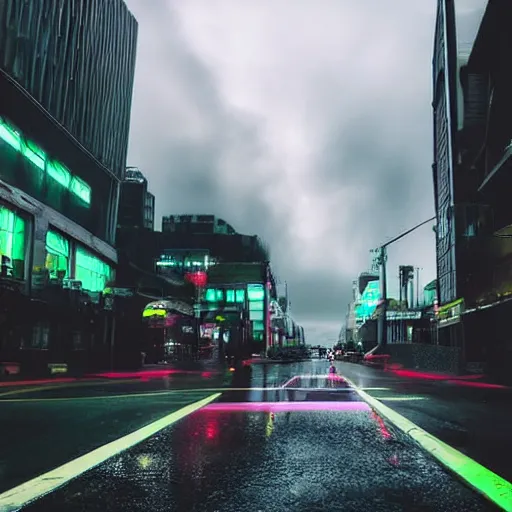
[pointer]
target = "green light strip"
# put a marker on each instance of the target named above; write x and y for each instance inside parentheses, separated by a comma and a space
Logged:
(38, 157)
(489, 484)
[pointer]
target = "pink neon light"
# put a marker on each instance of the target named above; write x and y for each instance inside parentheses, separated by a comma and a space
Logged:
(151, 374)
(14, 383)
(274, 407)
(464, 380)
(472, 384)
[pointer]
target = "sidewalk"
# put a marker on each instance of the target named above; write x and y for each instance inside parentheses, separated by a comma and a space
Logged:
(472, 380)
(382, 362)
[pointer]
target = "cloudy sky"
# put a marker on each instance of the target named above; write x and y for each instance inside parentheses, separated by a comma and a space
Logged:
(307, 122)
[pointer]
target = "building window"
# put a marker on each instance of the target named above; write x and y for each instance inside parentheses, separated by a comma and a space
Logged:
(255, 292)
(12, 243)
(34, 154)
(257, 311)
(91, 271)
(39, 339)
(57, 255)
(258, 326)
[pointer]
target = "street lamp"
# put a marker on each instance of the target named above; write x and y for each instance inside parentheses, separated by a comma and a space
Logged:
(418, 286)
(380, 261)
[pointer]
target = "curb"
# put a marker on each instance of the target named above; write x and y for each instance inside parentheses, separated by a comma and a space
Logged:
(490, 485)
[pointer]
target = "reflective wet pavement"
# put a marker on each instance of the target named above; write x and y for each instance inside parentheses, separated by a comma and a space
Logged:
(285, 438)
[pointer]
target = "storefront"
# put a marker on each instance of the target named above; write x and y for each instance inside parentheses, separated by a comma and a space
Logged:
(449, 323)
(402, 325)
(50, 284)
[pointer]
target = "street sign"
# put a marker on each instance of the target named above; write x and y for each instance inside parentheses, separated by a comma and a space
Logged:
(403, 315)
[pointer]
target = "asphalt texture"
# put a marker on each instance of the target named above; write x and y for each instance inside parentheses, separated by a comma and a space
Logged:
(281, 437)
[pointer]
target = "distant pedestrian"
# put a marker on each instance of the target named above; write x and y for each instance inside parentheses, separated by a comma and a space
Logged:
(332, 369)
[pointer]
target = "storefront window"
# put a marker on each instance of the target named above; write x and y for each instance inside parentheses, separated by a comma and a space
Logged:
(214, 295)
(91, 271)
(210, 295)
(12, 242)
(57, 254)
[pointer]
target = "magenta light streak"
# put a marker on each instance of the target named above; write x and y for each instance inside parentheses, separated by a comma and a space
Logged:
(286, 406)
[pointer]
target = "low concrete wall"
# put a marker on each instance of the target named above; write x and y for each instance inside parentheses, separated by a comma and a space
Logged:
(418, 356)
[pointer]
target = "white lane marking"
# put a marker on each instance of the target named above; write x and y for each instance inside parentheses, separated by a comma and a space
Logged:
(23, 494)
(288, 382)
(399, 398)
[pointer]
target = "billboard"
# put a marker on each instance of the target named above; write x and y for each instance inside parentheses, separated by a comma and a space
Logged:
(368, 302)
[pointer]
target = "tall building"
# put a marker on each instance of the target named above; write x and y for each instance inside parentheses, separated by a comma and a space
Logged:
(471, 80)
(66, 79)
(136, 204)
(456, 29)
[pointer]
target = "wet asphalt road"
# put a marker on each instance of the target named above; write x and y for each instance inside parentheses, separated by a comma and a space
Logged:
(283, 440)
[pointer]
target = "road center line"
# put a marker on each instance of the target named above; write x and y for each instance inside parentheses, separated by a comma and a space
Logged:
(23, 494)
(489, 484)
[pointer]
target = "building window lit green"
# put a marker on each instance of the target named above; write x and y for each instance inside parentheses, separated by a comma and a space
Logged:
(39, 159)
(230, 296)
(210, 295)
(57, 254)
(256, 310)
(91, 271)
(255, 292)
(257, 305)
(258, 316)
(258, 326)
(239, 296)
(214, 295)
(12, 240)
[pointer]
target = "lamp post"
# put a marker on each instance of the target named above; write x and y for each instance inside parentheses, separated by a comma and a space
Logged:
(418, 286)
(380, 261)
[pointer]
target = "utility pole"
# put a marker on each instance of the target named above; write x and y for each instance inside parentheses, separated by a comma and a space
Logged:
(380, 260)
(417, 287)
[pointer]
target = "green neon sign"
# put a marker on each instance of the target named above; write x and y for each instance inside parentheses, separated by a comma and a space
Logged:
(39, 159)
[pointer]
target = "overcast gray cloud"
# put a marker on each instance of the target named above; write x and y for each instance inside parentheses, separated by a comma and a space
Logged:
(305, 122)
